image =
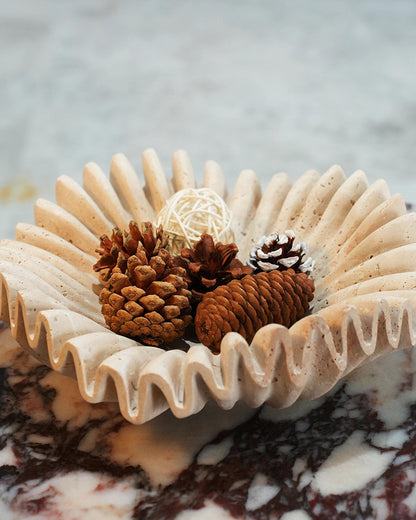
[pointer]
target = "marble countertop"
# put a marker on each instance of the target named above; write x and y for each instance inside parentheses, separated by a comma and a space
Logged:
(274, 86)
(349, 455)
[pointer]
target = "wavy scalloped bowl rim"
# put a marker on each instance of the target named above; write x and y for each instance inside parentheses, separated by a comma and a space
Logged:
(364, 305)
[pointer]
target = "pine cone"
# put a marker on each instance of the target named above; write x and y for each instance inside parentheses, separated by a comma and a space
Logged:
(210, 265)
(246, 305)
(278, 252)
(123, 245)
(146, 297)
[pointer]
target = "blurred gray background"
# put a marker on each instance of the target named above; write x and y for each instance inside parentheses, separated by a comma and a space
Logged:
(270, 85)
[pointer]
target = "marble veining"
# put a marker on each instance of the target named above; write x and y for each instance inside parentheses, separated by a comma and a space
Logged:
(340, 456)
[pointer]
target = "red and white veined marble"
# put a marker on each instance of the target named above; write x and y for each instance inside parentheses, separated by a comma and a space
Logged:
(349, 455)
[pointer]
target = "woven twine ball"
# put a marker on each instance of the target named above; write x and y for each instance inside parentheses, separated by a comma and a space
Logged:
(192, 212)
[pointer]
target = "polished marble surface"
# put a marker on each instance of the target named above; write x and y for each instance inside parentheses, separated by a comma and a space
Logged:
(349, 455)
(273, 86)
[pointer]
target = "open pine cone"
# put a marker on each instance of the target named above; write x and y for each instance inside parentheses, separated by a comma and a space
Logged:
(145, 296)
(210, 265)
(122, 245)
(278, 251)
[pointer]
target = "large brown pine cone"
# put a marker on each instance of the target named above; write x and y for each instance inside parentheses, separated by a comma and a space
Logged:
(146, 297)
(210, 265)
(122, 245)
(246, 305)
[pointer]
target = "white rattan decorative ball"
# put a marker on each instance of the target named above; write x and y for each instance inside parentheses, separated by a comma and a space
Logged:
(192, 212)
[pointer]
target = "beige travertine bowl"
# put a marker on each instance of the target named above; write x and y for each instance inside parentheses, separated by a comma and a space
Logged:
(362, 239)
